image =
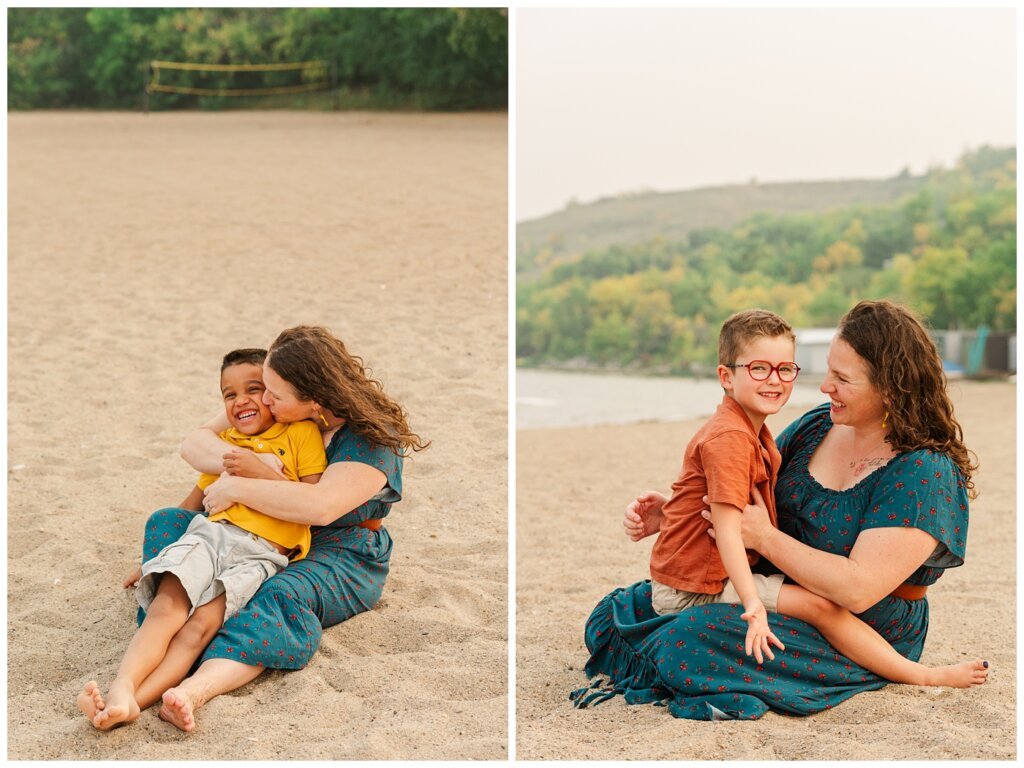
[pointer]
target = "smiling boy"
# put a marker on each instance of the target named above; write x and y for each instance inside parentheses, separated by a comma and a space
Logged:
(731, 453)
(221, 560)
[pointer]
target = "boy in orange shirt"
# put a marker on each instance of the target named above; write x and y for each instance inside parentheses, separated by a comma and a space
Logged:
(731, 454)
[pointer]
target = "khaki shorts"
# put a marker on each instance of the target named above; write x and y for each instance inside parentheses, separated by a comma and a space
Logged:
(665, 599)
(211, 559)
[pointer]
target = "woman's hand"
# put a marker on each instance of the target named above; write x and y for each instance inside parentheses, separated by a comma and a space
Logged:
(220, 494)
(644, 514)
(755, 525)
(245, 463)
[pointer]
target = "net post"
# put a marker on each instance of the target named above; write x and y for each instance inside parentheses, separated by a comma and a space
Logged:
(334, 82)
(145, 88)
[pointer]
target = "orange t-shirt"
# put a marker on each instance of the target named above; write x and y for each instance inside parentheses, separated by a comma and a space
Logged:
(723, 461)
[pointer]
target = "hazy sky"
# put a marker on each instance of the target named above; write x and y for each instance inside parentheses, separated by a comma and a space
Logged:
(617, 100)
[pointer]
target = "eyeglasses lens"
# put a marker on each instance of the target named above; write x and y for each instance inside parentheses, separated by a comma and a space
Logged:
(760, 370)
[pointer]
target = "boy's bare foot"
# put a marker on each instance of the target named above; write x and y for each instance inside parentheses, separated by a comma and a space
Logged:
(177, 709)
(121, 707)
(90, 701)
(963, 675)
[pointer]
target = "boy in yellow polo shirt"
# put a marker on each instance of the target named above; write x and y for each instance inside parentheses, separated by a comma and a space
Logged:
(220, 561)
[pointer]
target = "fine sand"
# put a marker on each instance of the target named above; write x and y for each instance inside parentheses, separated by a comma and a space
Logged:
(572, 487)
(141, 249)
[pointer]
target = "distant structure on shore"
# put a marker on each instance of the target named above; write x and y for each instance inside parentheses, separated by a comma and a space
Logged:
(979, 352)
(812, 349)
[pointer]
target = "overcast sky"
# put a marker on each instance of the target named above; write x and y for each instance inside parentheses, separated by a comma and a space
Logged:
(618, 100)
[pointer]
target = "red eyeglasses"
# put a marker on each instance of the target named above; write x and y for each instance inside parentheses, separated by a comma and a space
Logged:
(761, 370)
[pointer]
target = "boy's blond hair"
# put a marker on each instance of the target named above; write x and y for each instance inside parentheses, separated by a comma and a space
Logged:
(746, 326)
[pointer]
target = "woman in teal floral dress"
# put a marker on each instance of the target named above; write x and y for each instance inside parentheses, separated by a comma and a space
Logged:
(872, 502)
(308, 374)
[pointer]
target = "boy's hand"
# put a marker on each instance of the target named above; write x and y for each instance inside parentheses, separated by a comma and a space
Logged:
(132, 578)
(760, 638)
(245, 463)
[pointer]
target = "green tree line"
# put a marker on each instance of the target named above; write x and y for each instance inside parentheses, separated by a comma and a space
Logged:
(948, 251)
(420, 58)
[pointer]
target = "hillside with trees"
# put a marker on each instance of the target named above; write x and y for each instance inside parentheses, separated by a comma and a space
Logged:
(407, 58)
(946, 247)
(633, 218)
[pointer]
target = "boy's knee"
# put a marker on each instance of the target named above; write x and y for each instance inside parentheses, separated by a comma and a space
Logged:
(199, 630)
(165, 606)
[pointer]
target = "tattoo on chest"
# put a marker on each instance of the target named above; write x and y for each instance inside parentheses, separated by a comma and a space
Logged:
(860, 466)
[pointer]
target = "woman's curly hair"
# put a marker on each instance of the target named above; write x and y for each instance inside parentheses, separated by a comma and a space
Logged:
(319, 368)
(905, 367)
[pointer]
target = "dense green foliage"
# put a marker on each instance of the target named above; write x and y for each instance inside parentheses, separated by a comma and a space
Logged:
(428, 58)
(948, 250)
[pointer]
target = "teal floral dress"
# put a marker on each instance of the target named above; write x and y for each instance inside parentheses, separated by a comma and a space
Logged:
(342, 575)
(694, 662)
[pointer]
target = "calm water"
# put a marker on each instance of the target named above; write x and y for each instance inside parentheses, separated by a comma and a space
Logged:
(559, 399)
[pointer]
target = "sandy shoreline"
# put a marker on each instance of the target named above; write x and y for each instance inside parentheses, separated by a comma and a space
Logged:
(141, 249)
(572, 485)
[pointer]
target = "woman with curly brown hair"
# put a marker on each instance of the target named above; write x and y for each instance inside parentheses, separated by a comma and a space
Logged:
(872, 504)
(308, 374)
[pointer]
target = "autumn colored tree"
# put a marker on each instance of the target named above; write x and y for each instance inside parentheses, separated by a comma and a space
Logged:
(947, 250)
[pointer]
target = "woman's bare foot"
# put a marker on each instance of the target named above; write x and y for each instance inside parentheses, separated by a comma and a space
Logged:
(90, 701)
(177, 709)
(121, 707)
(966, 674)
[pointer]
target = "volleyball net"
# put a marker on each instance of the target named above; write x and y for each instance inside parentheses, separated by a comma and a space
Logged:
(193, 79)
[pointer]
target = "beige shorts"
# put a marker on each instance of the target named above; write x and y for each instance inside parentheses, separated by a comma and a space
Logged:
(212, 559)
(666, 599)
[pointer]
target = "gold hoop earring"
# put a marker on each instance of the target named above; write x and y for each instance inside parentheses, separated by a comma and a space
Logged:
(885, 419)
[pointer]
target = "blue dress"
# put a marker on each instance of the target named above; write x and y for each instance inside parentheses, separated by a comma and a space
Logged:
(342, 575)
(694, 662)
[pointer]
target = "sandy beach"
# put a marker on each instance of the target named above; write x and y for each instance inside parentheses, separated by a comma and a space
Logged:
(572, 486)
(141, 249)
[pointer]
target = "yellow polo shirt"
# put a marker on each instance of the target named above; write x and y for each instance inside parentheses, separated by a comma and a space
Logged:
(301, 448)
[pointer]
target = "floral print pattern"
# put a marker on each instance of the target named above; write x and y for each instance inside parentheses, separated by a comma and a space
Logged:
(694, 662)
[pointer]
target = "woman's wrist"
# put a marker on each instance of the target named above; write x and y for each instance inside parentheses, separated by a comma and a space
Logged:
(763, 539)
(234, 488)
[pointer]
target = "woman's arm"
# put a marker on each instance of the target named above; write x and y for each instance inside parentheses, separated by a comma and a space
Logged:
(343, 486)
(203, 449)
(881, 559)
